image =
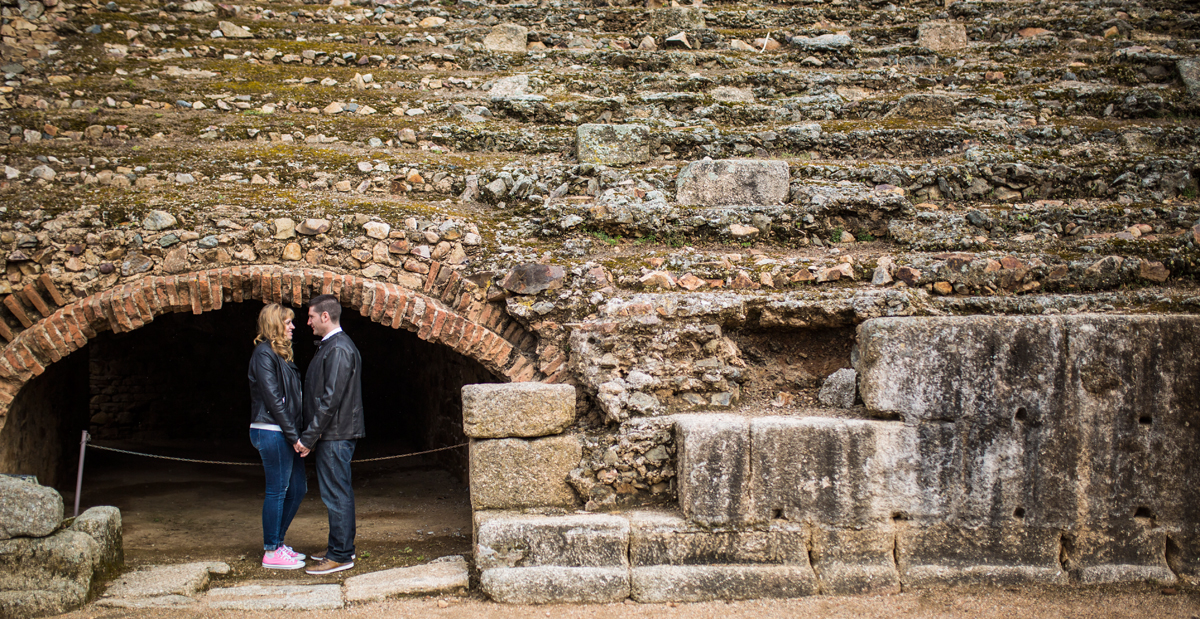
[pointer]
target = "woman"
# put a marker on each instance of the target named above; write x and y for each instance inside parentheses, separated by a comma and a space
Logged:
(274, 418)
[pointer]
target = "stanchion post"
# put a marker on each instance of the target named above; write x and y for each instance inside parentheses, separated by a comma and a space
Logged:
(83, 441)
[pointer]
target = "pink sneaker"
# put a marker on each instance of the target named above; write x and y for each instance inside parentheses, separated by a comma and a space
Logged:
(292, 553)
(279, 559)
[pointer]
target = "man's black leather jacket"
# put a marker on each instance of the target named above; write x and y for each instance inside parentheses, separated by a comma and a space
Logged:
(275, 391)
(333, 409)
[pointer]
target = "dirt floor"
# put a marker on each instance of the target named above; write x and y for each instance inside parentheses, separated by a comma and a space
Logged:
(174, 512)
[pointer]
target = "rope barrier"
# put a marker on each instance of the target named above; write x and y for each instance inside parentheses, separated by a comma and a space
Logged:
(135, 453)
(85, 442)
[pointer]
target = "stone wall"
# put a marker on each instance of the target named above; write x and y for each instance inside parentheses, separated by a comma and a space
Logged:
(42, 432)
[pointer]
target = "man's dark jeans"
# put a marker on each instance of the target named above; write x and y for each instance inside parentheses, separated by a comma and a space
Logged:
(333, 478)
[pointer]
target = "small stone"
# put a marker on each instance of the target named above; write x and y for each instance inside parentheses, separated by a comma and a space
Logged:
(1154, 271)
(234, 31)
(313, 227)
(691, 283)
(942, 36)
(740, 231)
(533, 278)
(158, 220)
(176, 261)
(943, 288)
(432, 22)
(28, 509)
(840, 389)
(135, 264)
(377, 229)
(507, 38)
(291, 252)
(408, 136)
(333, 108)
(658, 279)
(43, 172)
(678, 40)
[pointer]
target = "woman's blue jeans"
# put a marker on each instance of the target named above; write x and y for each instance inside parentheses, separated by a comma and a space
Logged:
(286, 484)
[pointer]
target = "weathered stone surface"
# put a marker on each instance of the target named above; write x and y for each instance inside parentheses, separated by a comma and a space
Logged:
(942, 36)
(612, 144)
(186, 579)
(714, 467)
(697, 583)
(444, 575)
(1064, 414)
(676, 18)
(533, 278)
(855, 560)
(823, 43)
(925, 106)
(503, 410)
(313, 227)
(1189, 72)
(845, 472)
(665, 538)
(506, 38)
(45, 575)
(506, 539)
(285, 228)
(276, 597)
(511, 472)
(733, 181)
(234, 31)
(103, 524)
(28, 509)
(159, 220)
(555, 585)
(935, 553)
(840, 389)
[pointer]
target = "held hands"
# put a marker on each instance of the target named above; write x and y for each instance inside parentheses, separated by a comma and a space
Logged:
(301, 449)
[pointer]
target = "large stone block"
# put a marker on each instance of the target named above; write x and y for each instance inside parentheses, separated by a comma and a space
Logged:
(993, 555)
(512, 473)
(46, 575)
(28, 509)
(444, 575)
(1130, 551)
(713, 460)
(842, 472)
(612, 144)
(504, 410)
(506, 539)
(733, 182)
(555, 585)
(851, 561)
(103, 524)
(1189, 72)
(663, 538)
(942, 36)
(698, 583)
(507, 38)
(674, 19)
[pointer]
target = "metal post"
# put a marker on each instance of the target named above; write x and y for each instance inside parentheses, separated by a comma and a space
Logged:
(83, 441)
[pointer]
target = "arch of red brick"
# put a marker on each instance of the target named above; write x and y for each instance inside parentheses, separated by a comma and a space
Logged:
(443, 312)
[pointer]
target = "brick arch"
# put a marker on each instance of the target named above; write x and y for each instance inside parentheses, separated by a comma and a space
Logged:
(445, 311)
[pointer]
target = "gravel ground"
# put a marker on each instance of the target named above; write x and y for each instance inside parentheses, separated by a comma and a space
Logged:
(1027, 603)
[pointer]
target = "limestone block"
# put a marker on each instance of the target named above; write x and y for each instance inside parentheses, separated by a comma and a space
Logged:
(942, 36)
(103, 524)
(507, 38)
(850, 561)
(733, 182)
(674, 19)
(612, 144)
(555, 585)
(46, 575)
(510, 473)
(276, 597)
(665, 538)
(507, 539)
(444, 575)
(185, 579)
(940, 553)
(713, 460)
(1130, 551)
(698, 583)
(840, 389)
(504, 410)
(1189, 72)
(835, 471)
(28, 509)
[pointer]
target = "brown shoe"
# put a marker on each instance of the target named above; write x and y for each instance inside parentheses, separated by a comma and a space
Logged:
(320, 556)
(328, 566)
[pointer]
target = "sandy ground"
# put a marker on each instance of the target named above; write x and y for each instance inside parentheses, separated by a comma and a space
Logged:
(173, 512)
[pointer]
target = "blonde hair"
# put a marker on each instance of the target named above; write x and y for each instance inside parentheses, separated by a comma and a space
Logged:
(272, 327)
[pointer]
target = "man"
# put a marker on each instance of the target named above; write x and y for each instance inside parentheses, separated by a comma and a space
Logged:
(333, 422)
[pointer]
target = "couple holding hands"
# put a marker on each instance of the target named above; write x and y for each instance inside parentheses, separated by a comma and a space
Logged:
(287, 424)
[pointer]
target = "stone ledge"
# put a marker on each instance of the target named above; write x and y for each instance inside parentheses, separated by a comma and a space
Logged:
(698, 583)
(556, 585)
(507, 539)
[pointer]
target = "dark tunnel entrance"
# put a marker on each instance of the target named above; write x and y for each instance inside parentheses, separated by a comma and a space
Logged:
(178, 387)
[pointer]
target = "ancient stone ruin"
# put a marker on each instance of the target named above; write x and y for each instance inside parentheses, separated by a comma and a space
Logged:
(732, 300)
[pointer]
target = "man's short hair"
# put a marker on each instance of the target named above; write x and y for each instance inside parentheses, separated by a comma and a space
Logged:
(329, 304)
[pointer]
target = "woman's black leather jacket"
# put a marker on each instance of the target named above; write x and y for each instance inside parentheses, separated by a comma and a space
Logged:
(275, 391)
